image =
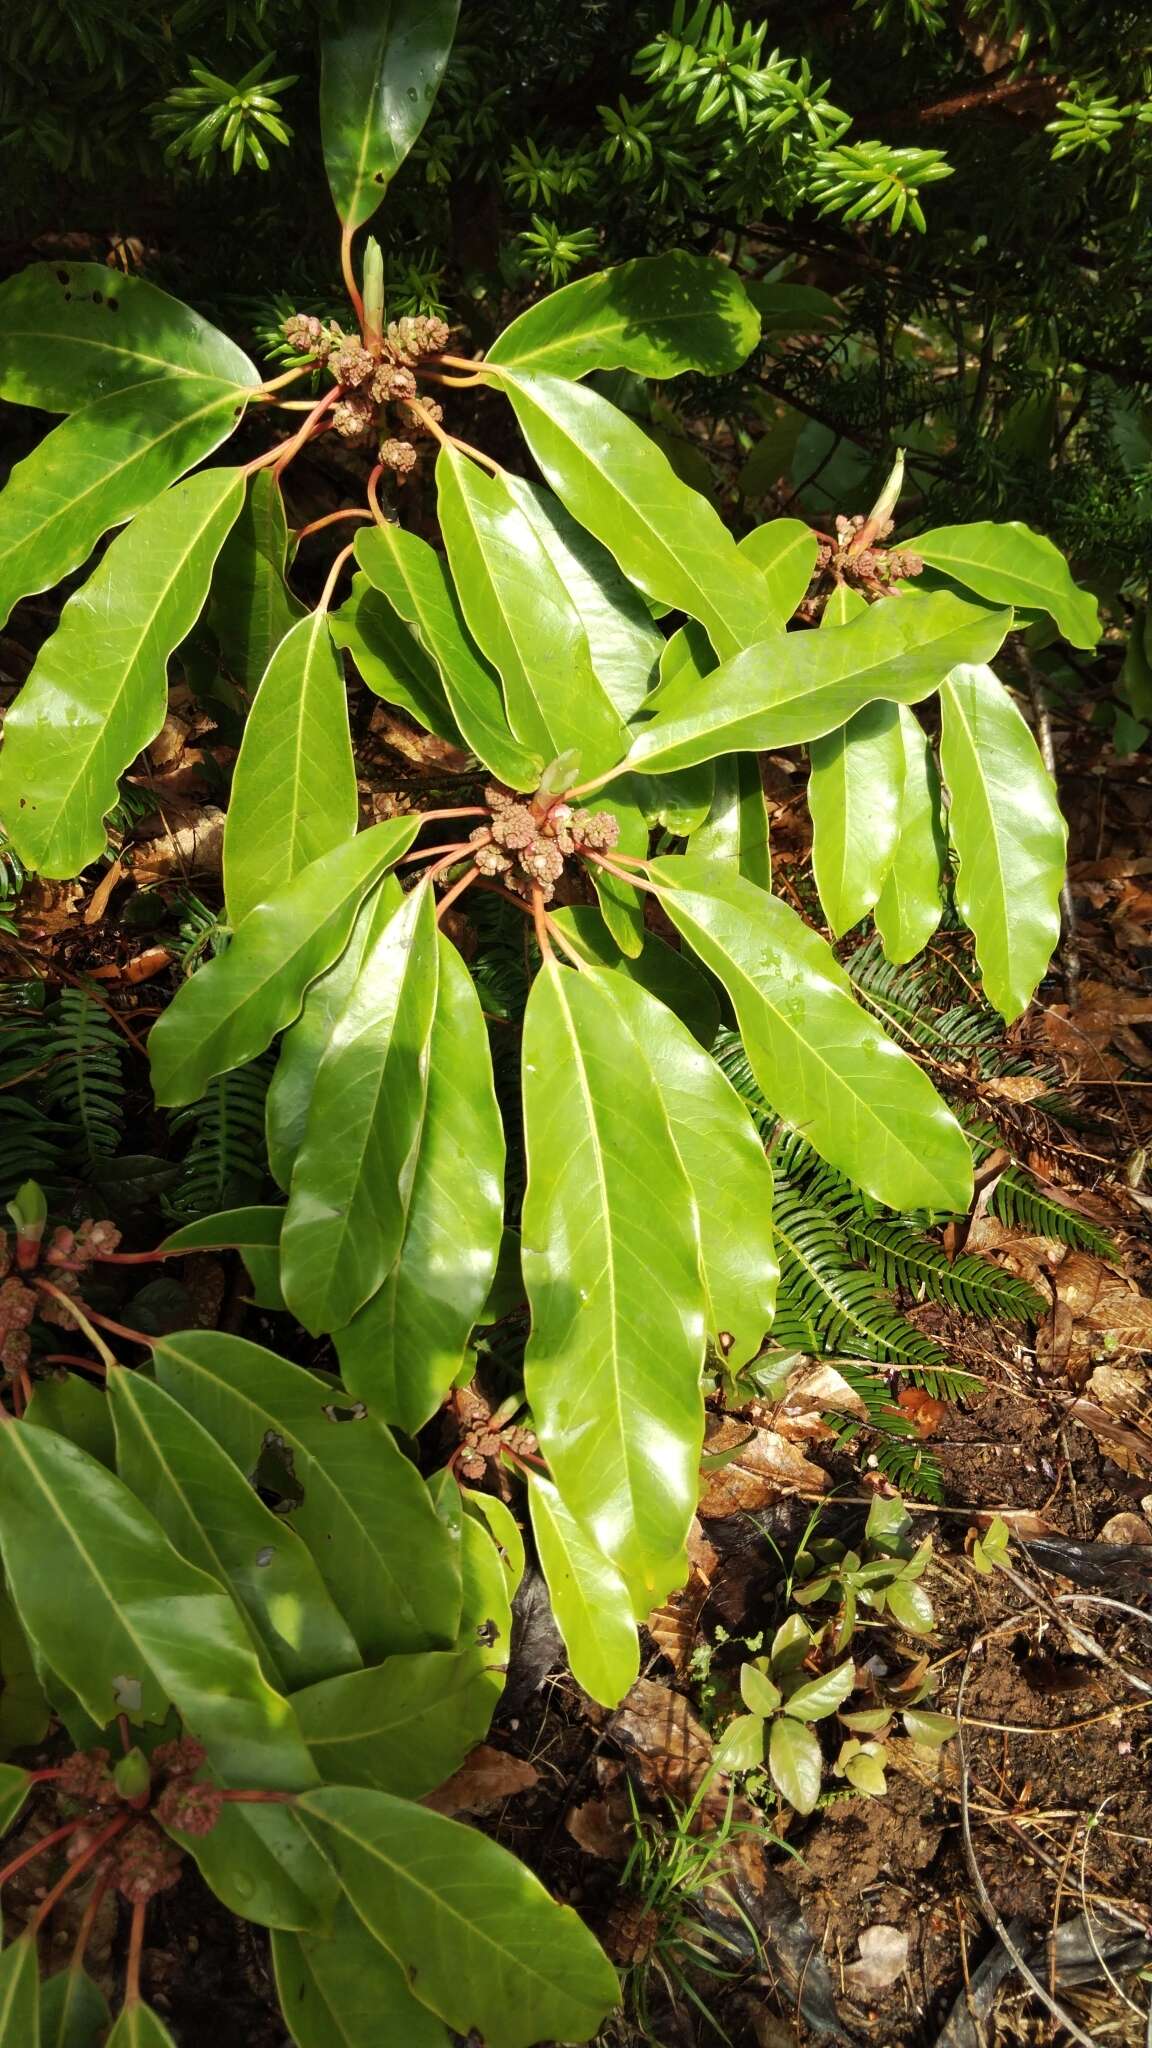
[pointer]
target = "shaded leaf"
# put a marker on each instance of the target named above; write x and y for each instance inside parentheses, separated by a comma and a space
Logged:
(361, 1508)
(20, 1995)
(294, 785)
(391, 659)
(71, 333)
(142, 1627)
(24, 1712)
(14, 1790)
(139, 2027)
(214, 1517)
(823, 1063)
(672, 977)
(656, 316)
(910, 904)
(379, 74)
(405, 1347)
(233, 1007)
(609, 1258)
(522, 618)
(264, 1866)
(736, 828)
(667, 539)
(98, 689)
(855, 795)
(250, 607)
(352, 1178)
(98, 468)
(623, 638)
(343, 1990)
(404, 1726)
(73, 2011)
(589, 1598)
(1005, 822)
(1003, 560)
(796, 1763)
(415, 580)
(466, 1922)
(806, 684)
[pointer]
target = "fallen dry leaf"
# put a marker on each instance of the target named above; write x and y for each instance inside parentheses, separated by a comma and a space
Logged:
(924, 1412)
(1126, 1529)
(671, 1748)
(484, 1781)
(672, 1627)
(809, 1394)
(765, 1468)
(601, 1827)
(1097, 1311)
(193, 849)
(883, 1958)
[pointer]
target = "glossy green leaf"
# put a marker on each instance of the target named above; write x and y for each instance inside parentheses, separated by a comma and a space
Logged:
(736, 828)
(623, 638)
(502, 1527)
(305, 1042)
(139, 2027)
(1006, 562)
(380, 71)
(844, 604)
(361, 1508)
(609, 1256)
(14, 1790)
(215, 1518)
(343, 1990)
(98, 690)
(71, 333)
(796, 1762)
(98, 468)
(403, 1726)
(73, 2011)
(294, 786)
(77, 1409)
(621, 905)
(910, 904)
(404, 1349)
(803, 685)
(728, 1172)
(24, 1711)
(1006, 826)
(741, 1747)
(20, 1995)
(522, 618)
(855, 796)
(250, 607)
(589, 1598)
(678, 802)
(928, 1729)
(141, 1626)
(253, 1232)
(784, 551)
(263, 1865)
(468, 1924)
(233, 1007)
(415, 580)
(656, 316)
(672, 977)
(911, 1606)
(391, 659)
(822, 1061)
(667, 539)
(352, 1180)
(488, 1577)
(757, 1691)
(821, 1696)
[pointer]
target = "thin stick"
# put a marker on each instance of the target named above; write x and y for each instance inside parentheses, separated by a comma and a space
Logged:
(456, 890)
(329, 519)
(135, 1951)
(79, 1317)
(334, 576)
(350, 284)
(540, 920)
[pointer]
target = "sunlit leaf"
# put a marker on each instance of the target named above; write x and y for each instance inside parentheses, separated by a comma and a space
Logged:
(250, 607)
(657, 316)
(910, 904)
(674, 978)
(391, 659)
(343, 1990)
(381, 66)
(403, 1726)
(1003, 560)
(736, 828)
(796, 1762)
(855, 795)
(589, 1598)
(624, 640)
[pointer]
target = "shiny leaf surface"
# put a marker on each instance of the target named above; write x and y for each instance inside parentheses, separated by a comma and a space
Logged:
(609, 1258)
(910, 904)
(71, 333)
(294, 786)
(855, 795)
(656, 316)
(98, 690)
(343, 1990)
(98, 468)
(796, 1762)
(250, 607)
(233, 1007)
(405, 1725)
(143, 1626)
(589, 1598)
(674, 978)
(624, 640)
(821, 1060)
(391, 659)
(403, 1350)
(736, 828)
(1006, 562)
(361, 1508)
(522, 618)
(214, 1517)
(380, 71)
(415, 580)
(613, 479)
(352, 1179)
(466, 1922)
(784, 551)
(263, 1865)
(802, 685)
(1006, 826)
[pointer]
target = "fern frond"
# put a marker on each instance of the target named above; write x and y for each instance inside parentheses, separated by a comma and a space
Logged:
(902, 1257)
(899, 1455)
(85, 1081)
(227, 1160)
(826, 1304)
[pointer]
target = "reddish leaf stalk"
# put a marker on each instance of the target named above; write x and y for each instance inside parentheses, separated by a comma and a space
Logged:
(350, 284)
(633, 881)
(96, 1848)
(556, 932)
(46, 1842)
(87, 1316)
(87, 1923)
(378, 513)
(286, 451)
(334, 576)
(430, 852)
(329, 519)
(95, 1365)
(456, 890)
(135, 1952)
(540, 920)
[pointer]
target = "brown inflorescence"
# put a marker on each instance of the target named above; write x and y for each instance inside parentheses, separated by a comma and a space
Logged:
(373, 378)
(524, 846)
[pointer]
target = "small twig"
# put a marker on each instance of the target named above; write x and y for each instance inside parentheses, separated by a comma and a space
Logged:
(329, 519)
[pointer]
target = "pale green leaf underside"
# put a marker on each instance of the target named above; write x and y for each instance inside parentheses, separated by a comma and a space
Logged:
(589, 1598)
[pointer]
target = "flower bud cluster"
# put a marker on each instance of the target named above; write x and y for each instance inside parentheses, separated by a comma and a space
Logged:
(525, 849)
(371, 379)
(66, 1252)
(870, 568)
(143, 1860)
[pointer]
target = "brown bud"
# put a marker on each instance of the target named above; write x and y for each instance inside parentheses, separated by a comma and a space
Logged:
(146, 1863)
(86, 1775)
(352, 365)
(192, 1809)
(397, 455)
